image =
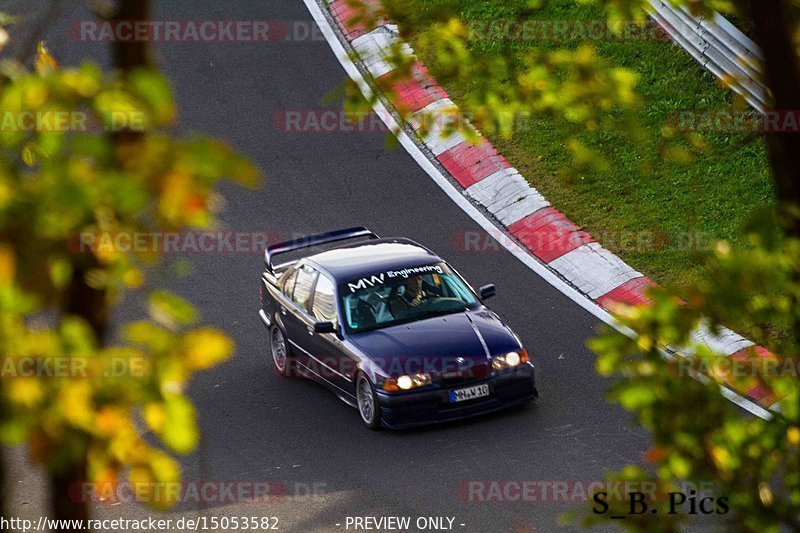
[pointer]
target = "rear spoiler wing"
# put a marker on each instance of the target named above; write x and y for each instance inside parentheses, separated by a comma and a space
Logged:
(314, 240)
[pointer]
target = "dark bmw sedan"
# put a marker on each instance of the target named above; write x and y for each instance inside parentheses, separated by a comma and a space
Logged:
(392, 329)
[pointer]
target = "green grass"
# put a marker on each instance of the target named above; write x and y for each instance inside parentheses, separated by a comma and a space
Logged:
(709, 199)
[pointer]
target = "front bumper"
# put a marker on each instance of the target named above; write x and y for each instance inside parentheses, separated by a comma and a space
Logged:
(410, 409)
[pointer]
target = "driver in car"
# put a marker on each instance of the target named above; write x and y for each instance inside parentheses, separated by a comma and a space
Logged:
(413, 296)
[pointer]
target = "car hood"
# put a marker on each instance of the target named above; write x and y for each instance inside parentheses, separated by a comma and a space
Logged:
(437, 344)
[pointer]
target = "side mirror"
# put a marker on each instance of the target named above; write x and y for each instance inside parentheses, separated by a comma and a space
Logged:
(487, 291)
(324, 327)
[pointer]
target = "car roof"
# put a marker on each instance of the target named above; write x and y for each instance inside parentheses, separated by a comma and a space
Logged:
(351, 261)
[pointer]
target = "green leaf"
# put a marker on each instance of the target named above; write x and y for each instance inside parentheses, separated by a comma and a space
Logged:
(635, 395)
(29, 154)
(154, 89)
(170, 310)
(180, 428)
(13, 432)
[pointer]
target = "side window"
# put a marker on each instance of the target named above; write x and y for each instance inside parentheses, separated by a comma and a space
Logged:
(302, 287)
(324, 306)
(288, 284)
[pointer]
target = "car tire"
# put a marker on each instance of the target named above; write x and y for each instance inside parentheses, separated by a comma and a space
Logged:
(367, 401)
(282, 361)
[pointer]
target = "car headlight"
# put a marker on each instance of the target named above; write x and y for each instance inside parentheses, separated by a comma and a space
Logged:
(407, 382)
(509, 360)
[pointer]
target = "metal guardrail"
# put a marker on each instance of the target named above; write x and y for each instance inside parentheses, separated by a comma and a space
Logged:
(720, 47)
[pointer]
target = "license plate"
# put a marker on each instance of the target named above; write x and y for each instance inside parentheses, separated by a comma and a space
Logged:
(470, 393)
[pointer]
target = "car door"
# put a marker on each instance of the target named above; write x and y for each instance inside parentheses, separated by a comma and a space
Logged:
(335, 365)
(297, 318)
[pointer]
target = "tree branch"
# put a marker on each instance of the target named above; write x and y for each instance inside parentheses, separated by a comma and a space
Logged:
(771, 24)
(133, 54)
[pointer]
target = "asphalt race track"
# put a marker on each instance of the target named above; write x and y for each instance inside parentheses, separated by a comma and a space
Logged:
(258, 427)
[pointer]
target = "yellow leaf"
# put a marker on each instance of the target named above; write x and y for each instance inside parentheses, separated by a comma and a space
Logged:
(143, 484)
(793, 435)
(75, 403)
(25, 391)
(154, 416)
(180, 429)
(176, 188)
(133, 278)
(108, 421)
(45, 63)
(721, 458)
(126, 445)
(765, 494)
(154, 482)
(644, 343)
(206, 347)
(626, 312)
(105, 481)
(680, 467)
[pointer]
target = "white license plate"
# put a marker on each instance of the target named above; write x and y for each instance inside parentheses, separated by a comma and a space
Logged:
(470, 393)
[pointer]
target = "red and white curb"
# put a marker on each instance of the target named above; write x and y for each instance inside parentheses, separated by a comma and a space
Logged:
(589, 274)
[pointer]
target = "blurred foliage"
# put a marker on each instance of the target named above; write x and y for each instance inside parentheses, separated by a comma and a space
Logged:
(114, 167)
(509, 86)
(5, 20)
(698, 434)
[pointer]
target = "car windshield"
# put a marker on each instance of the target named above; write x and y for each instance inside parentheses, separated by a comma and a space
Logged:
(398, 296)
